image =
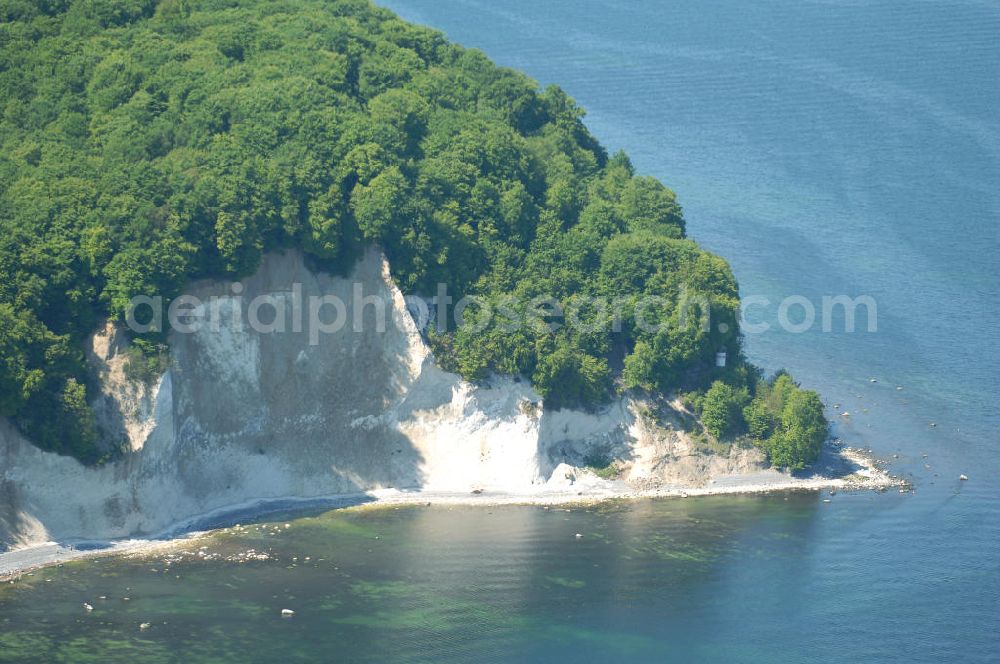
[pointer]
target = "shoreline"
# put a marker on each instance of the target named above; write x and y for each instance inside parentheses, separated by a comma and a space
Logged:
(869, 476)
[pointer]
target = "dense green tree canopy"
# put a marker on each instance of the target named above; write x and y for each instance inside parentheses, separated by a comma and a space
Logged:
(776, 415)
(147, 143)
(722, 410)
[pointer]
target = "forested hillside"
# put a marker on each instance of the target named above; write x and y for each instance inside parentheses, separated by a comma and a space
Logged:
(148, 143)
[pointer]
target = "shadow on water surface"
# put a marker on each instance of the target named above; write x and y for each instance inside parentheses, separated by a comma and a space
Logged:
(443, 584)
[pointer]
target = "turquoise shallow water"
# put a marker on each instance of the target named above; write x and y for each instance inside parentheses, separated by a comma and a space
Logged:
(824, 148)
(748, 579)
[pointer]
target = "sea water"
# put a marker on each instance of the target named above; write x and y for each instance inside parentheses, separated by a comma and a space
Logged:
(824, 148)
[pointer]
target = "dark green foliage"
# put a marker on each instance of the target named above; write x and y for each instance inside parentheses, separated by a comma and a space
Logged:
(782, 419)
(602, 465)
(146, 361)
(569, 377)
(760, 422)
(146, 144)
(787, 422)
(722, 410)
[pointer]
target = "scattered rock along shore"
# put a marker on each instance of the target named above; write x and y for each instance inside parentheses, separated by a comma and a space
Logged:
(855, 470)
(243, 420)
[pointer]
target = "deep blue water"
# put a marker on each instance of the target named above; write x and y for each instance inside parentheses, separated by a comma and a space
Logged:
(823, 148)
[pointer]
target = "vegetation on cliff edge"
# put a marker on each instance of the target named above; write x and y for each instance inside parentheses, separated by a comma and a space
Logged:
(147, 143)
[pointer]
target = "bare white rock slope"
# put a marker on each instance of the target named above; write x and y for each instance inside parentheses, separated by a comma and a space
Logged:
(243, 416)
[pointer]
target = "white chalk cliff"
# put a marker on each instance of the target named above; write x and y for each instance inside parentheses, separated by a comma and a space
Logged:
(243, 416)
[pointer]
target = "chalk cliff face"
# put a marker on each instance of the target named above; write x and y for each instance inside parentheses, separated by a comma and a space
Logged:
(244, 415)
